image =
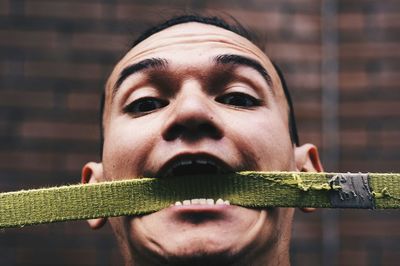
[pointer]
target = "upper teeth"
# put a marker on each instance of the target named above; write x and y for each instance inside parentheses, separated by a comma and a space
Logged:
(186, 162)
(202, 161)
(198, 161)
(202, 201)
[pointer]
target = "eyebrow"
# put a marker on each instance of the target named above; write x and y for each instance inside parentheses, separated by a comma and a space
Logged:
(234, 59)
(150, 63)
(160, 63)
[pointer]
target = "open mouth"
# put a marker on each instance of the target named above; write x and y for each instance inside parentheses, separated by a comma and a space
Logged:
(193, 165)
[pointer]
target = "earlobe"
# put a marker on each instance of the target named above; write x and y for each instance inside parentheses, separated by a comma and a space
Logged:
(307, 160)
(93, 173)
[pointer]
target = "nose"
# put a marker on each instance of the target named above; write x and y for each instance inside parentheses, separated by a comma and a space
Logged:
(192, 116)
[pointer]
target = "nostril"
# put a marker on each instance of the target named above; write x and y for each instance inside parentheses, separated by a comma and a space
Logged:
(173, 132)
(208, 129)
(190, 132)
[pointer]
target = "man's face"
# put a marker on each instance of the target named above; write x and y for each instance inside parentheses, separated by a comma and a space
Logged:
(193, 101)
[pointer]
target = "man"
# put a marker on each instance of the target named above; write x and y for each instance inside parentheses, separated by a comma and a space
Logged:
(194, 95)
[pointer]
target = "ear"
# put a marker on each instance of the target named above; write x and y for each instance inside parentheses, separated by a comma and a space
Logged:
(307, 160)
(93, 173)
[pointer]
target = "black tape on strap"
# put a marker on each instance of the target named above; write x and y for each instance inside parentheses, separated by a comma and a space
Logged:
(355, 191)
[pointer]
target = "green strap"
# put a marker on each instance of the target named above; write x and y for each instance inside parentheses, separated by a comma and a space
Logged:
(146, 195)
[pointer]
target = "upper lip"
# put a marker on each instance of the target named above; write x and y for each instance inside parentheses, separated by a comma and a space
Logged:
(178, 162)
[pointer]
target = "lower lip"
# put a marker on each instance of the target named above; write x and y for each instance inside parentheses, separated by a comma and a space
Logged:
(199, 208)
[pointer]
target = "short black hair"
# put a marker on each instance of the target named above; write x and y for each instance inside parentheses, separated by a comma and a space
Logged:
(235, 27)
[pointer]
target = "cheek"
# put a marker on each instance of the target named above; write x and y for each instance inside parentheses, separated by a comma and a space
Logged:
(265, 140)
(126, 148)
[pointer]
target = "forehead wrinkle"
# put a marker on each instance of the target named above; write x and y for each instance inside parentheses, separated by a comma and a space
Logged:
(169, 36)
(166, 43)
(198, 33)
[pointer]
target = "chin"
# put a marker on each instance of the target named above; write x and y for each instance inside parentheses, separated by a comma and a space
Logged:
(207, 250)
(202, 258)
(231, 233)
(212, 244)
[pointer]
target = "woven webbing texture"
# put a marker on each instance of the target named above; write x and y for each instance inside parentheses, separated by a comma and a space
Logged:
(146, 195)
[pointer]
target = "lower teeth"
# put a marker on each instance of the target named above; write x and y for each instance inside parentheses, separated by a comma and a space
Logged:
(202, 202)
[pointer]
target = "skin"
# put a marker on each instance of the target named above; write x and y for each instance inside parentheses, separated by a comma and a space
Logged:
(200, 108)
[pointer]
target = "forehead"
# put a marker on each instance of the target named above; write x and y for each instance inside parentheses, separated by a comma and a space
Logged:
(193, 44)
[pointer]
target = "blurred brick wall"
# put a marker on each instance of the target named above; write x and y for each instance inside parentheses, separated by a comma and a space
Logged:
(56, 54)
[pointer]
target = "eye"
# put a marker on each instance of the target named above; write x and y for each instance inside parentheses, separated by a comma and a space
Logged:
(238, 99)
(145, 105)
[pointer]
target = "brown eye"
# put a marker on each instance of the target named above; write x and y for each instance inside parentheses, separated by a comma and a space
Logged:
(238, 99)
(145, 105)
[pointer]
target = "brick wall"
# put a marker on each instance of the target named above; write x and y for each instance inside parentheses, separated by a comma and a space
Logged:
(56, 54)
